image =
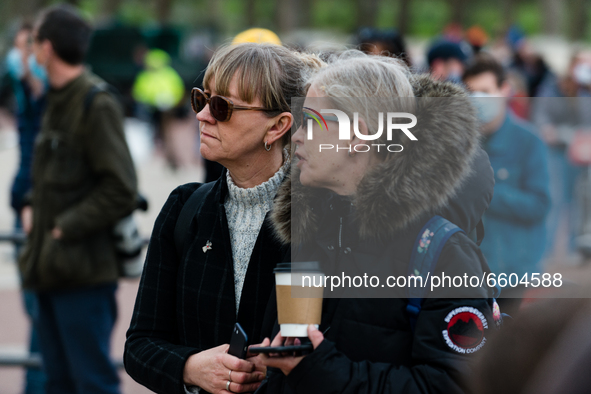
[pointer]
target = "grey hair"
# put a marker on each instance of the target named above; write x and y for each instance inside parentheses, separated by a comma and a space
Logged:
(366, 84)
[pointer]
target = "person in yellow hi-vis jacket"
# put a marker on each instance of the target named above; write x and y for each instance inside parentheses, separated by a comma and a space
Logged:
(160, 88)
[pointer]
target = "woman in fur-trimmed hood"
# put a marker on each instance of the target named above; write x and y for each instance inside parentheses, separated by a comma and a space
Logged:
(359, 213)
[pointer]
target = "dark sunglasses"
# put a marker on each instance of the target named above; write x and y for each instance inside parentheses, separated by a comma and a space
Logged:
(220, 107)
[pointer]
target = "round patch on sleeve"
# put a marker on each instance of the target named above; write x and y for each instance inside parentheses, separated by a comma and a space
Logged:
(465, 329)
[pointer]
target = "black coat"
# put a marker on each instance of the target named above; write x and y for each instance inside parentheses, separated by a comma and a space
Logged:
(371, 347)
(186, 305)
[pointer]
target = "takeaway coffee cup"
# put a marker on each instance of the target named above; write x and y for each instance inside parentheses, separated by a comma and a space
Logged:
(299, 297)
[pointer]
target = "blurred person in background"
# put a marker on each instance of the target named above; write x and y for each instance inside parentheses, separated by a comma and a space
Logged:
(526, 61)
(213, 170)
(29, 82)
(561, 110)
(383, 42)
(515, 219)
(546, 350)
(453, 32)
(519, 101)
(220, 272)
(447, 60)
(477, 37)
(160, 90)
(257, 35)
(84, 182)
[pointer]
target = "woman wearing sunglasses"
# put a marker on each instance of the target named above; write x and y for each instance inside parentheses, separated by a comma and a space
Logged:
(193, 292)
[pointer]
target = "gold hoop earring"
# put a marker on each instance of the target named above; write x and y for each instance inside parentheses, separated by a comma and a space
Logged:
(268, 147)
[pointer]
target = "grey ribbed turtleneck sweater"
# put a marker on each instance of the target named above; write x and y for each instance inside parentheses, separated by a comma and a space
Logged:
(246, 210)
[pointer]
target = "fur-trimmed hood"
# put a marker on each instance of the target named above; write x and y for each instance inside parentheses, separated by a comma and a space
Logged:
(420, 180)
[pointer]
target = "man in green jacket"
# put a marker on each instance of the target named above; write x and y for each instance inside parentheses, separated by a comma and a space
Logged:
(83, 183)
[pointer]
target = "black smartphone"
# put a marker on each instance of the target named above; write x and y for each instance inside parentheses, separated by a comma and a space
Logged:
(239, 342)
(298, 350)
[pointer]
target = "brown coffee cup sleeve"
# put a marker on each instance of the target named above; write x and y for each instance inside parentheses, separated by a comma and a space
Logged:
(297, 310)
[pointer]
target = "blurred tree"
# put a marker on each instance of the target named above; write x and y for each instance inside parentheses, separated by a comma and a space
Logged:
(23, 9)
(110, 7)
(552, 14)
(251, 15)
(403, 16)
(507, 13)
(305, 13)
(213, 10)
(367, 11)
(163, 10)
(458, 10)
(292, 14)
(578, 19)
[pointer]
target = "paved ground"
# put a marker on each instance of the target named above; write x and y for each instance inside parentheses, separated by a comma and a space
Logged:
(13, 336)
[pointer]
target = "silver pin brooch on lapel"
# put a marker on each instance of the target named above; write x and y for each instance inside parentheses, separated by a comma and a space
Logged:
(207, 246)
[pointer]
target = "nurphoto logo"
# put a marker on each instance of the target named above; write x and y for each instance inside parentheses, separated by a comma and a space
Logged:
(345, 129)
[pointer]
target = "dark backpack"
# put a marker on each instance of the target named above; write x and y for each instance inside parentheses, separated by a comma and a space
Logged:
(128, 242)
(431, 240)
(103, 87)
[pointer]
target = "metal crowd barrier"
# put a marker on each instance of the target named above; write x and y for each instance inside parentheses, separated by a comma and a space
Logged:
(32, 360)
(20, 237)
(14, 237)
(26, 360)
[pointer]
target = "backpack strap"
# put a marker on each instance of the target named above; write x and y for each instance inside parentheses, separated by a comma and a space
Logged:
(102, 87)
(426, 251)
(188, 212)
(89, 98)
